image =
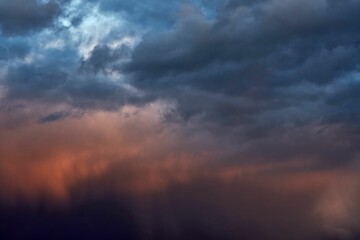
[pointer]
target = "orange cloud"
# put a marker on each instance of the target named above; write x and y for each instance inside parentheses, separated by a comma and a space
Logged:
(133, 151)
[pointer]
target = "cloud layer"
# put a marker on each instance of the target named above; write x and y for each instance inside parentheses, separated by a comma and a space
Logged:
(155, 102)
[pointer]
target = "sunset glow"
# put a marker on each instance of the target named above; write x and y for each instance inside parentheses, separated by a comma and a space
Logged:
(196, 119)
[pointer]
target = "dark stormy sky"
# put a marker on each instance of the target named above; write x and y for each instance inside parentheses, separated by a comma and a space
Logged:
(170, 119)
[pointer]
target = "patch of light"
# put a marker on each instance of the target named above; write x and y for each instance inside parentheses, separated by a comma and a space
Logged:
(95, 29)
(355, 77)
(42, 2)
(208, 10)
(55, 44)
(343, 82)
(28, 59)
(130, 41)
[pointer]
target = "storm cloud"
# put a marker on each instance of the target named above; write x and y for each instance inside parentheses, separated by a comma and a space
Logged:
(204, 98)
(23, 16)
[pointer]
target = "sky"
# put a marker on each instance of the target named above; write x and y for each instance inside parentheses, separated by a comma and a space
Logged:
(180, 119)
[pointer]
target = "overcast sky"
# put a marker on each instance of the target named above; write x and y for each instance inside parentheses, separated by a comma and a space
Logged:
(170, 119)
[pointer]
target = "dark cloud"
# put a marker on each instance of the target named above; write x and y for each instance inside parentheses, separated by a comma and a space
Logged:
(257, 66)
(14, 48)
(266, 82)
(253, 35)
(28, 81)
(343, 103)
(250, 52)
(22, 16)
(103, 56)
(56, 116)
(223, 53)
(55, 85)
(62, 77)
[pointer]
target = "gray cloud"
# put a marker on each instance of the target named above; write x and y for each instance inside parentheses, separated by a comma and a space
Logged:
(250, 71)
(16, 48)
(55, 116)
(264, 82)
(103, 56)
(23, 16)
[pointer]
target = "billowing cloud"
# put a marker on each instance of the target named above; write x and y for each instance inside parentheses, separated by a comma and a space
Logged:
(23, 16)
(207, 119)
